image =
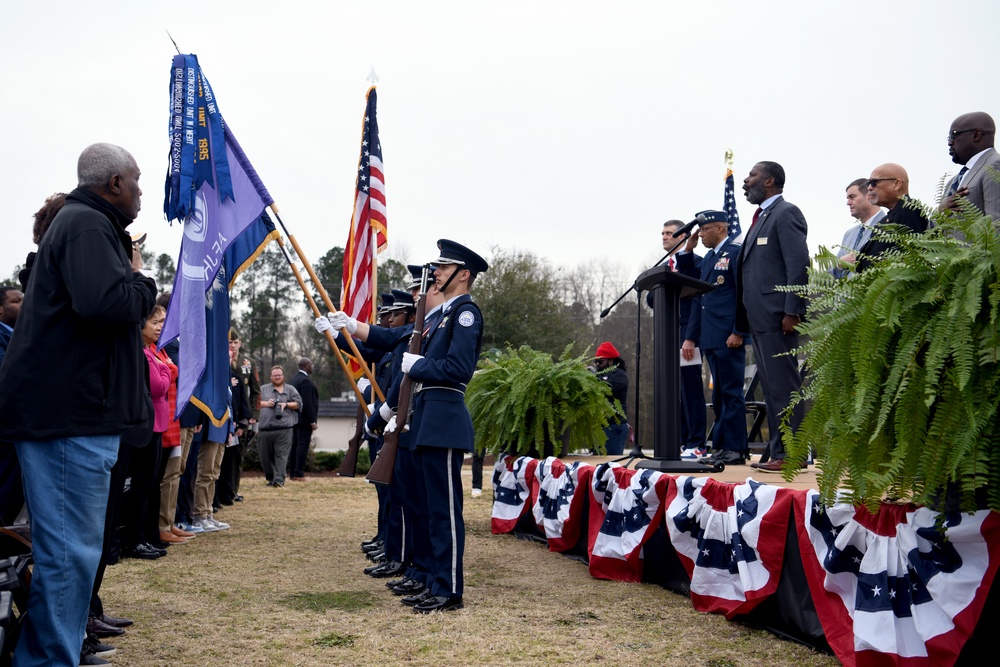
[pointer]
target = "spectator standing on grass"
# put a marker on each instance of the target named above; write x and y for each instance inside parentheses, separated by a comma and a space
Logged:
(279, 405)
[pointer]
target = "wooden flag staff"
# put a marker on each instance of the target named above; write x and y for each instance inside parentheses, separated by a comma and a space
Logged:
(329, 304)
(337, 352)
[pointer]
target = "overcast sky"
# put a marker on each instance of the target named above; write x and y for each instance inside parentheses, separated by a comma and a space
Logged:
(568, 129)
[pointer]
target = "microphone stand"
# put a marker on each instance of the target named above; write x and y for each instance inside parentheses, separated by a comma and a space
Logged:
(636, 452)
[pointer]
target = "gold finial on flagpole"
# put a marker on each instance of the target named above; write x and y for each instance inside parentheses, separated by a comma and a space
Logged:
(729, 159)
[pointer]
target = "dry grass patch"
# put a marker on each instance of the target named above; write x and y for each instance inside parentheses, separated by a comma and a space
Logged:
(284, 587)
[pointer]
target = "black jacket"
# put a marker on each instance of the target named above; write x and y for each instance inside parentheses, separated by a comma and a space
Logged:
(310, 398)
(75, 363)
(901, 214)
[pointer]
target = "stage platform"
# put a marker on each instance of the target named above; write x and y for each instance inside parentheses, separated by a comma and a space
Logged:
(902, 586)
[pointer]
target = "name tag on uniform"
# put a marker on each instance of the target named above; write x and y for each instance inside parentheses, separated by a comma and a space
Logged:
(762, 240)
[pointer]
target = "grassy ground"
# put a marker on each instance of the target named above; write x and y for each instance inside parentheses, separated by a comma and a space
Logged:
(284, 587)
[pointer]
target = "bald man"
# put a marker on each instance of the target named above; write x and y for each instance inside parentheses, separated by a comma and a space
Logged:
(889, 186)
(970, 144)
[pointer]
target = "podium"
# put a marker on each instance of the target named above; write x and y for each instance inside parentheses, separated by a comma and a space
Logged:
(668, 288)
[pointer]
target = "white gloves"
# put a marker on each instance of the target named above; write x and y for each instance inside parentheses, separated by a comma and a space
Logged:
(409, 360)
(391, 426)
(323, 325)
(341, 320)
(364, 425)
(385, 412)
(371, 408)
(363, 383)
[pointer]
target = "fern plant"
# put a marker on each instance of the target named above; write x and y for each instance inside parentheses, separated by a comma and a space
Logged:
(521, 400)
(903, 369)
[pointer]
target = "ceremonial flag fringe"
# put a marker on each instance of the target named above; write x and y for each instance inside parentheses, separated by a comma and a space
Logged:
(729, 205)
(212, 187)
(368, 223)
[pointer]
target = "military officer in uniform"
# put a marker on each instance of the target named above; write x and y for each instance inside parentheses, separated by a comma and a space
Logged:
(441, 428)
(712, 326)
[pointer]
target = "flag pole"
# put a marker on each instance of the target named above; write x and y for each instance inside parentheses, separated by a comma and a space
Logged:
(329, 336)
(329, 304)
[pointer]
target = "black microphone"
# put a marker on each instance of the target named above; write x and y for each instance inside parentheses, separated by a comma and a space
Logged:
(686, 229)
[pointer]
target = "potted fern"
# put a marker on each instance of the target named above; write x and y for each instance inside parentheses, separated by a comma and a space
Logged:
(524, 402)
(903, 370)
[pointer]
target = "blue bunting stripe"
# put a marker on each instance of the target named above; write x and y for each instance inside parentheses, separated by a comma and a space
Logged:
(730, 539)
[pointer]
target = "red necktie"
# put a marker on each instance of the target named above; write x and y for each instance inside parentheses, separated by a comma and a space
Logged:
(756, 216)
(672, 264)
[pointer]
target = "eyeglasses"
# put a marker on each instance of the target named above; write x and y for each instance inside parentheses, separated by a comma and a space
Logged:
(872, 182)
(954, 133)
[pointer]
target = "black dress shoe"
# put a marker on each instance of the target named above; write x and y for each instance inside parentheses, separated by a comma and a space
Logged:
(216, 507)
(372, 546)
(162, 550)
(372, 568)
(376, 555)
(143, 551)
(413, 600)
(115, 621)
(390, 569)
(435, 603)
(238, 498)
(409, 587)
(725, 456)
(99, 628)
(396, 582)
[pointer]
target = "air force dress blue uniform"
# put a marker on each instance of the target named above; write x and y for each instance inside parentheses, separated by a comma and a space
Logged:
(442, 427)
(713, 319)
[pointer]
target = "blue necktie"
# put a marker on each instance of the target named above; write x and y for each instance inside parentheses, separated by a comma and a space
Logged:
(958, 179)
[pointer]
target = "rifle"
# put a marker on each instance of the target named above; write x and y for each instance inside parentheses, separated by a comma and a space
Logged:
(349, 466)
(381, 470)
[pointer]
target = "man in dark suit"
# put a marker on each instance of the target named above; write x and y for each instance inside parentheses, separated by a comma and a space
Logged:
(889, 186)
(774, 254)
(713, 327)
(307, 419)
(970, 144)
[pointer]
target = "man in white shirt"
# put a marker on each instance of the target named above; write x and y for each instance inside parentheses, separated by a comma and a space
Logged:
(970, 144)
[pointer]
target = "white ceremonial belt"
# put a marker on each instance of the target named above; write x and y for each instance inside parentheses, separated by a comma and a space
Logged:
(419, 387)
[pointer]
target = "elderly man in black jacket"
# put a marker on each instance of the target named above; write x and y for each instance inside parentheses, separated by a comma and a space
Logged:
(81, 321)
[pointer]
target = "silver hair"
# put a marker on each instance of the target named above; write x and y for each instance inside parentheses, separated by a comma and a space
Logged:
(99, 162)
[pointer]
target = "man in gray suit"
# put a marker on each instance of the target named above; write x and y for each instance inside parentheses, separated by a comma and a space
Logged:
(970, 144)
(868, 214)
(774, 253)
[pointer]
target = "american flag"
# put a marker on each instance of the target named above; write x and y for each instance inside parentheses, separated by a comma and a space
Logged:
(729, 206)
(368, 225)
